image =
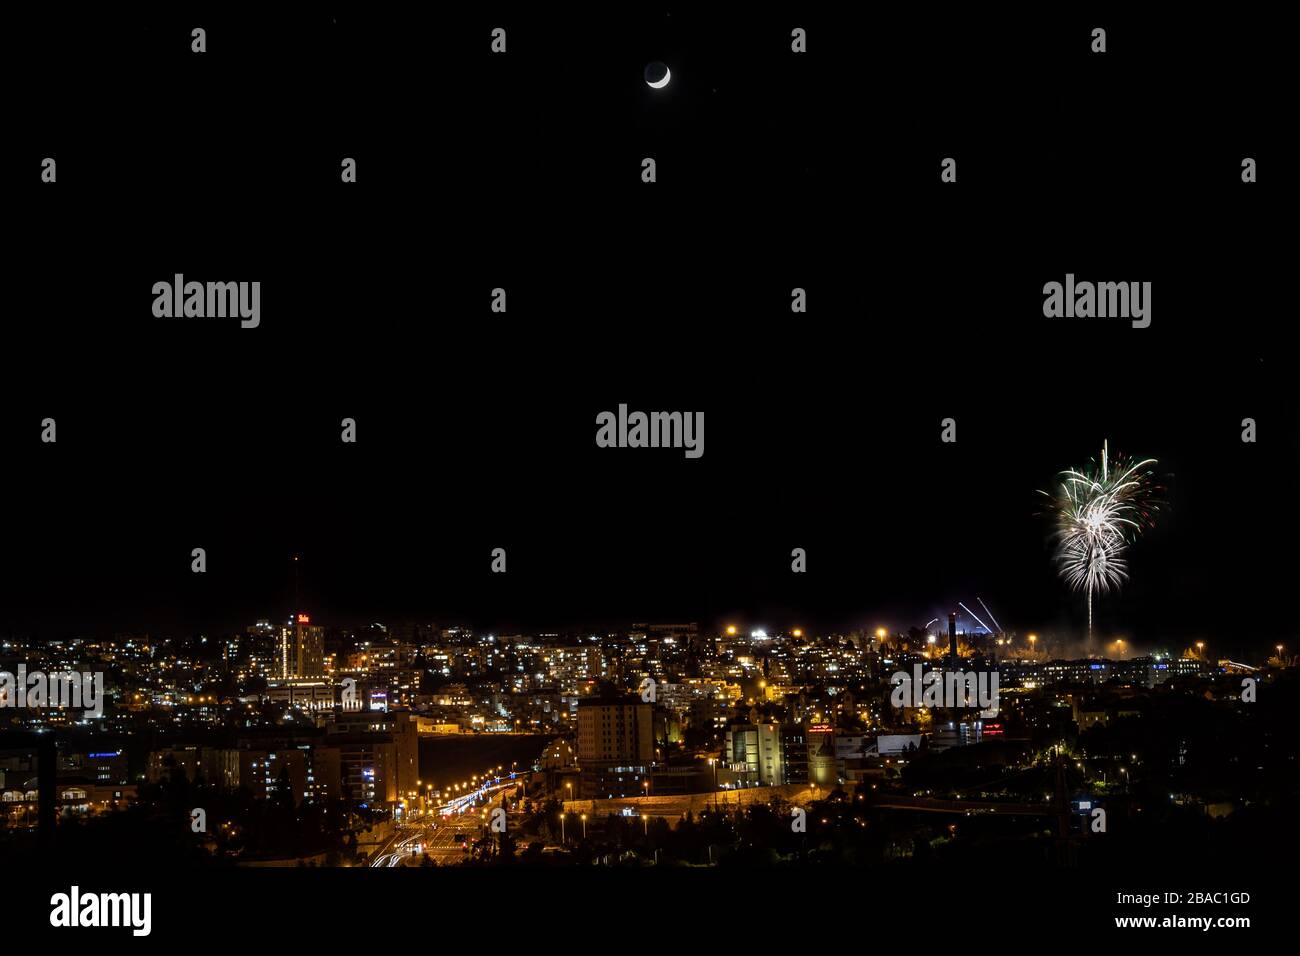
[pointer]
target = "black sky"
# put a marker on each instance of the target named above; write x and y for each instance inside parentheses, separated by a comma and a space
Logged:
(897, 525)
(477, 430)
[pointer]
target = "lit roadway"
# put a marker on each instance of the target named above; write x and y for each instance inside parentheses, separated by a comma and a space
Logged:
(440, 839)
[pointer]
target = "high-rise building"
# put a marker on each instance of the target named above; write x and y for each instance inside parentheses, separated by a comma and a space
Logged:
(615, 746)
(794, 748)
(302, 649)
(258, 653)
(754, 753)
(378, 755)
(309, 772)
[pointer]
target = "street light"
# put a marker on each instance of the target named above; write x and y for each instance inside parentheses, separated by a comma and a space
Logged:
(645, 826)
(562, 839)
(584, 826)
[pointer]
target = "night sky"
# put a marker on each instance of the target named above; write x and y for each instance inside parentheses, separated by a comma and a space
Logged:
(897, 525)
(476, 430)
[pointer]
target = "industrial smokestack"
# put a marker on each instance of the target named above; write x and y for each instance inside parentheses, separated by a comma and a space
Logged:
(952, 634)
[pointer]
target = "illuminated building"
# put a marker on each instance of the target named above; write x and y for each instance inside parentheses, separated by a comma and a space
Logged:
(378, 755)
(302, 649)
(310, 773)
(755, 754)
(823, 768)
(217, 765)
(615, 746)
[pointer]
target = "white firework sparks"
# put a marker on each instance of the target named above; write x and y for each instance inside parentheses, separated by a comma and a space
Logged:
(1100, 514)
(1092, 562)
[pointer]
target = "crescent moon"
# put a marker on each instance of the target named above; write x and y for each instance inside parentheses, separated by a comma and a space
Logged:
(668, 75)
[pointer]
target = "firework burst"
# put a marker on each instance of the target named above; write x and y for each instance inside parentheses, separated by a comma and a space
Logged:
(1100, 511)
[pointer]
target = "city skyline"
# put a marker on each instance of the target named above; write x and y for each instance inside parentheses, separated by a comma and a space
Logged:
(666, 477)
(446, 747)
